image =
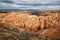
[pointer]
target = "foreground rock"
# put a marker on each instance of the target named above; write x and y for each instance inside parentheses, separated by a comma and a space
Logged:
(11, 33)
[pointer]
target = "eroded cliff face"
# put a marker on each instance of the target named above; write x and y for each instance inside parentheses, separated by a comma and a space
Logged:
(43, 24)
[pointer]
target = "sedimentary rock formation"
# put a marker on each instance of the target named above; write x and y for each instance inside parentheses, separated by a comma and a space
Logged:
(42, 25)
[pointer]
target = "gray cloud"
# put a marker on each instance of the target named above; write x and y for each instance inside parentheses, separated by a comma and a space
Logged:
(33, 4)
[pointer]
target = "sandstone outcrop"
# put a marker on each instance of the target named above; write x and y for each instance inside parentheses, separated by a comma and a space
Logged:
(46, 23)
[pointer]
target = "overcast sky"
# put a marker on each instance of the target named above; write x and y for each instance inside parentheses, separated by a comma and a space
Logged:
(30, 4)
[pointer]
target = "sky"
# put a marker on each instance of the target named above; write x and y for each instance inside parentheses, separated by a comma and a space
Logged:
(30, 4)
